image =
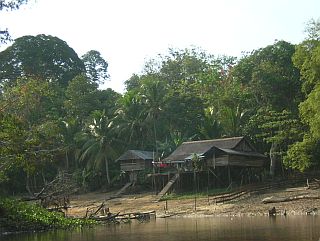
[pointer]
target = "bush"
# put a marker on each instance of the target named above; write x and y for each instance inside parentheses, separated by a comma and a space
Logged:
(21, 216)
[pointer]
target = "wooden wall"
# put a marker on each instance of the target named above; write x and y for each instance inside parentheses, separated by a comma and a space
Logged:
(132, 165)
(235, 160)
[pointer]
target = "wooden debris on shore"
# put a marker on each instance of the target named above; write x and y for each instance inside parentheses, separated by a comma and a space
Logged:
(93, 211)
(102, 213)
(140, 216)
(55, 195)
(110, 217)
(168, 215)
(312, 211)
(288, 199)
(315, 184)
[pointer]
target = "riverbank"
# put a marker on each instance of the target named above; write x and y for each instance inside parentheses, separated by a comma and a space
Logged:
(16, 216)
(248, 205)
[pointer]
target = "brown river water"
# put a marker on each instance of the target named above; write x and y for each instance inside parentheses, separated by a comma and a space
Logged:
(290, 228)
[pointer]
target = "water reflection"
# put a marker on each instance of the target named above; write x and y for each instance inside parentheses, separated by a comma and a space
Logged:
(195, 229)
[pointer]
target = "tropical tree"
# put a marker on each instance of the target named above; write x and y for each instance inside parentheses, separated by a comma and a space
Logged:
(81, 98)
(210, 127)
(270, 74)
(130, 119)
(99, 144)
(184, 113)
(96, 66)
(305, 154)
(279, 130)
(152, 95)
(12, 144)
(70, 129)
(27, 111)
(42, 56)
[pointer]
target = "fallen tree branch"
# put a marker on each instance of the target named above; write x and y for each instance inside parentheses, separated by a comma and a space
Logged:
(109, 217)
(288, 199)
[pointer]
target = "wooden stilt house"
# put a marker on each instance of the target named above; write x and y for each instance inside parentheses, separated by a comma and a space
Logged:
(133, 161)
(230, 156)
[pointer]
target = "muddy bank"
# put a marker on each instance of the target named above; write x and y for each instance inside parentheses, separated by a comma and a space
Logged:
(249, 205)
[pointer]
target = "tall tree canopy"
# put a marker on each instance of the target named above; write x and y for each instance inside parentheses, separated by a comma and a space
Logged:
(271, 75)
(96, 66)
(305, 154)
(42, 56)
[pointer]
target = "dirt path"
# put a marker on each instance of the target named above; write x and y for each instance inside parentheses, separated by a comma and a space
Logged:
(249, 205)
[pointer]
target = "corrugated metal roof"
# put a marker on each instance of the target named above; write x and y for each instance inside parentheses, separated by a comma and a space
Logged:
(242, 153)
(136, 155)
(201, 147)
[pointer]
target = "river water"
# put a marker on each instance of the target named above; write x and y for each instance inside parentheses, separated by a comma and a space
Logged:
(290, 228)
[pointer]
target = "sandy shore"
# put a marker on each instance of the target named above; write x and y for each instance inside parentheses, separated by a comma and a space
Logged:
(250, 205)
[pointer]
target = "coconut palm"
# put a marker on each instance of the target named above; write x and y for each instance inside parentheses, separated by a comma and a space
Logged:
(99, 144)
(153, 96)
(130, 121)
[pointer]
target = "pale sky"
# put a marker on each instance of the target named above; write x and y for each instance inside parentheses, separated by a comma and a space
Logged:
(128, 32)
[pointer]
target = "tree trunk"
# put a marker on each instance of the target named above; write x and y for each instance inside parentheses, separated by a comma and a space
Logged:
(273, 159)
(195, 181)
(67, 160)
(28, 185)
(107, 171)
(155, 136)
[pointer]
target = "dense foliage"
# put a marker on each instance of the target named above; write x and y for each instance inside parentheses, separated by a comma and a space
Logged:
(54, 117)
(20, 216)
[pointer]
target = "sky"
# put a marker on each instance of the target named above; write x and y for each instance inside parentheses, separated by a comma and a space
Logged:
(129, 32)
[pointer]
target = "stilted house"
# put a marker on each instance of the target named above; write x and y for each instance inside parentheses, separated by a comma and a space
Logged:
(228, 160)
(236, 151)
(133, 161)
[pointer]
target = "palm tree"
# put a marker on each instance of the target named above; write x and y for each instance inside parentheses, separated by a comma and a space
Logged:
(210, 127)
(69, 130)
(98, 148)
(232, 119)
(130, 121)
(152, 93)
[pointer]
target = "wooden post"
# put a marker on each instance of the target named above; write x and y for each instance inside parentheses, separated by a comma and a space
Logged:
(208, 181)
(195, 203)
(229, 175)
(166, 205)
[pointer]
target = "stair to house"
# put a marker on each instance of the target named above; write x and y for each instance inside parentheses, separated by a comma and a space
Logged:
(167, 187)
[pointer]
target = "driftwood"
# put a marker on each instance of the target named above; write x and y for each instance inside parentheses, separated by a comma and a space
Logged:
(53, 192)
(168, 215)
(288, 199)
(92, 212)
(111, 217)
(101, 213)
(106, 218)
(140, 216)
(312, 211)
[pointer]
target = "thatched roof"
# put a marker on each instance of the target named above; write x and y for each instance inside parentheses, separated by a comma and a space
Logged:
(136, 155)
(226, 145)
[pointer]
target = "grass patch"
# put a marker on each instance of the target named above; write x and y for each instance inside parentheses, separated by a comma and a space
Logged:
(22, 216)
